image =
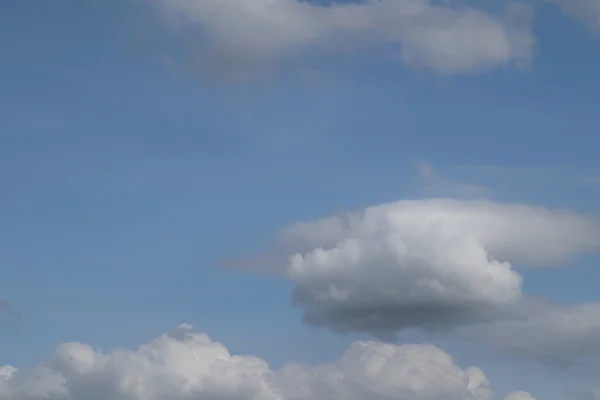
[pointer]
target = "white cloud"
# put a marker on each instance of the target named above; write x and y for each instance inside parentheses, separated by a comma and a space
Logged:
(430, 263)
(586, 11)
(520, 396)
(189, 365)
(242, 36)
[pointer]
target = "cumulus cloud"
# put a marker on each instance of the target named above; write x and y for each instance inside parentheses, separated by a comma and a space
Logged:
(239, 36)
(586, 11)
(188, 365)
(430, 263)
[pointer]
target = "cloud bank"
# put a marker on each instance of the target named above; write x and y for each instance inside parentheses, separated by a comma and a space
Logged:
(245, 36)
(188, 365)
(429, 264)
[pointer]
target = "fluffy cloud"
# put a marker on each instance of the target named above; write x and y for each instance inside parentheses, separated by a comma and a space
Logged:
(241, 35)
(189, 365)
(431, 263)
(586, 11)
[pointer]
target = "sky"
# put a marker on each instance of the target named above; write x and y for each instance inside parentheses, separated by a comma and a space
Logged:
(283, 200)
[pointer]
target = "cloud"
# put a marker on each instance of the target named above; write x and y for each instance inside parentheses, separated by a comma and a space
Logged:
(240, 37)
(429, 263)
(569, 333)
(593, 394)
(520, 396)
(578, 394)
(435, 184)
(592, 180)
(187, 365)
(586, 11)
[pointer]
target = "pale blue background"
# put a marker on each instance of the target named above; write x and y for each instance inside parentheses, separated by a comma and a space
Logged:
(126, 180)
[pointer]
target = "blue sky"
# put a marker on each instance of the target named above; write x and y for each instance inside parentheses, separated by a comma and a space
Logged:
(130, 176)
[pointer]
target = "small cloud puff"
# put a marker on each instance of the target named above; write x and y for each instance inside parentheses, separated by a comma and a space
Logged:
(193, 366)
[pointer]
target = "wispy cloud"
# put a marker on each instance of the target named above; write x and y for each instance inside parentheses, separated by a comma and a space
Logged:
(592, 180)
(12, 314)
(241, 37)
(586, 11)
(562, 174)
(434, 184)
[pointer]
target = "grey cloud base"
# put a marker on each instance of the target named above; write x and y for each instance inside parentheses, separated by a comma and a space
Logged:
(188, 365)
(570, 333)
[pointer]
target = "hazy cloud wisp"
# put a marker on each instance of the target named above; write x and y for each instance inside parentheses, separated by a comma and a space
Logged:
(240, 37)
(586, 11)
(433, 183)
(11, 314)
